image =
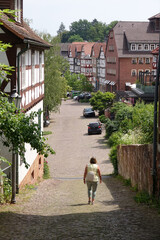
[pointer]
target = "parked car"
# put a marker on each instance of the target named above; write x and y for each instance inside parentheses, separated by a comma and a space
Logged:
(84, 95)
(46, 120)
(88, 112)
(94, 127)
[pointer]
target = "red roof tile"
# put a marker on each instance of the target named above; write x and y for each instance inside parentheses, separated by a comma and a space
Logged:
(24, 32)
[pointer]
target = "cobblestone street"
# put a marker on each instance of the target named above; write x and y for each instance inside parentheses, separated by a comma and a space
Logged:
(58, 208)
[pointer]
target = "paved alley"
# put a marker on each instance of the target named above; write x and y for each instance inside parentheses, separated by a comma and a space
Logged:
(58, 209)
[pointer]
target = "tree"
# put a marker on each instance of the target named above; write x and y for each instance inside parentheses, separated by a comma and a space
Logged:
(78, 82)
(101, 101)
(89, 31)
(18, 129)
(55, 68)
(61, 29)
(75, 38)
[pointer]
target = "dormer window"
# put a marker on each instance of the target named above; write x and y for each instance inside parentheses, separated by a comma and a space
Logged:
(18, 8)
(146, 47)
(140, 47)
(152, 46)
(133, 47)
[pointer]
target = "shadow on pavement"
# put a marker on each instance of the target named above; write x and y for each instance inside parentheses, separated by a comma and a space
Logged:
(113, 224)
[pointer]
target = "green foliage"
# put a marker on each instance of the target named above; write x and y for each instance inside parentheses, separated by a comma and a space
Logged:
(75, 38)
(55, 68)
(18, 129)
(110, 127)
(46, 173)
(131, 125)
(113, 159)
(78, 82)
(102, 118)
(101, 101)
(88, 31)
(7, 191)
(46, 133)
(144, 198)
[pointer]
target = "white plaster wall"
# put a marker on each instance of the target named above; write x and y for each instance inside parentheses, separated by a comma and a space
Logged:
(30, 154)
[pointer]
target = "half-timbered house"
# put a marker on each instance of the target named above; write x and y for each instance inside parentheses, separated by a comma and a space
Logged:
(27, 57)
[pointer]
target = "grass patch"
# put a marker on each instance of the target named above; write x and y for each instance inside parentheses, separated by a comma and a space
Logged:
(46, 133)
(46, 172)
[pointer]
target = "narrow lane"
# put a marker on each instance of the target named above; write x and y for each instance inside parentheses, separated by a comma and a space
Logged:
(58, 209)
(73, 145)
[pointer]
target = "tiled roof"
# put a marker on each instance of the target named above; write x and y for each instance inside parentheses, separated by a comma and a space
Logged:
(96, 49)
(155, 51)
(133, 32)
(87, 48)
(155, 16)
(24, 32)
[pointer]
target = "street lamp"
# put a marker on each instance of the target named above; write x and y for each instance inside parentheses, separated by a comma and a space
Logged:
(16, 98)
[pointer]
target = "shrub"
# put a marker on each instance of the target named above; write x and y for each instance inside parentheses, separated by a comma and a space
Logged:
(102, 118)
(7, 191)
(115, 139)
(110, 126)
(46, 173)
(113, 159)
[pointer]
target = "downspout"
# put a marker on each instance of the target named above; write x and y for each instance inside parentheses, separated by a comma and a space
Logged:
(18, 87)
(154, 173)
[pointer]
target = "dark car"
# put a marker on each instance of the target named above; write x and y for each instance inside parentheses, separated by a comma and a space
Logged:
(94, 128)
(88, 112)
(46, 120)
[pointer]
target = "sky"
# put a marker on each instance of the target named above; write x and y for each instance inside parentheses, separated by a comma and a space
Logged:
(47, 15)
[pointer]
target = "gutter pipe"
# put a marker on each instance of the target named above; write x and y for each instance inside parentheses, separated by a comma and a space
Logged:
(154, 173)
(18, 88)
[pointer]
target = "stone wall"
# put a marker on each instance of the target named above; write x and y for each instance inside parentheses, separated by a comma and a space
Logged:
(135, 163)
(34, 173)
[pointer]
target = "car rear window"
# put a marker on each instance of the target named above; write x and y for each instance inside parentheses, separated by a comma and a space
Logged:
(94, 124)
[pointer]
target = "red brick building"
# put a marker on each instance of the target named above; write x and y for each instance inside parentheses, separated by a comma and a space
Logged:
(129, 50)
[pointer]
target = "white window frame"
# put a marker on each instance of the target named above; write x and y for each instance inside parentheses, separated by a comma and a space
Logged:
(23, 67)
(147, 60)
(133, 72)
(146, 47)
(18, 8)
(152, 47)
(140, 60)
(134, 60)
(133, 47)
(33, 69)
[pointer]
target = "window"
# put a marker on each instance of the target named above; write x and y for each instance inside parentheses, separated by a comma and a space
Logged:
(111, 59)
(23, 71)
(133, 72)
(140, 47)
(18, 9)
(133, 47)
(147, 70)
(140, 60)
(33, 68)
(111, 48)
(147, 60)
(134, 60)
(111, 34)
(40, 67)
(146, 47)
(152, 46)
(111, 71)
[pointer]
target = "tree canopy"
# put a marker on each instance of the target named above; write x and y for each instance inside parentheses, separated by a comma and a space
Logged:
(55, 68)
(88, 31)
(101, 101)
(78, 82)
